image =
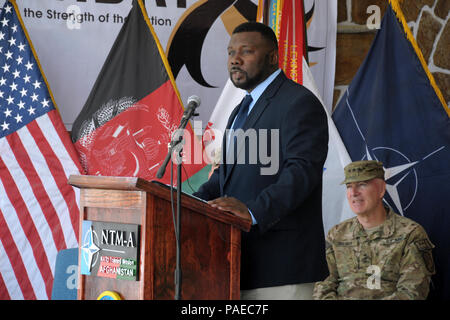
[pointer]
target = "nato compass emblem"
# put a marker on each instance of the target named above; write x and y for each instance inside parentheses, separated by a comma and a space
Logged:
(401, 179)
(89, 249)
(399, 171)
(109, 250)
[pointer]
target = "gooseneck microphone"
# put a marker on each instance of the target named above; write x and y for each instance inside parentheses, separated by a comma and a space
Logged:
(193, 103)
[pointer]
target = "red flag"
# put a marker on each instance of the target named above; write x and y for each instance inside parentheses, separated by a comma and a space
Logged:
(287, 19)
(292, 40)
(133, 109)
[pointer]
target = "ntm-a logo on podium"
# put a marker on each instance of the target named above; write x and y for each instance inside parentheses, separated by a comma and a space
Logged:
(110, 250)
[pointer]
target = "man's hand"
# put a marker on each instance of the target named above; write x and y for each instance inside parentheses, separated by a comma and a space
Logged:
(232, 205)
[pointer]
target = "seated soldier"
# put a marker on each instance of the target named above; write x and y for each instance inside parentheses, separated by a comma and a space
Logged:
(378, 254)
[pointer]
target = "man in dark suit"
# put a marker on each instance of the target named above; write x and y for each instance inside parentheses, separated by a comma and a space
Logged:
(283, 254)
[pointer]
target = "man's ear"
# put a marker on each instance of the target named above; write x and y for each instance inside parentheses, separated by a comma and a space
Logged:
(274, 57)
(382, 187)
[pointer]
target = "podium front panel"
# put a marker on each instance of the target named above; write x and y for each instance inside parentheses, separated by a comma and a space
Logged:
(122, 207)
(210, 241)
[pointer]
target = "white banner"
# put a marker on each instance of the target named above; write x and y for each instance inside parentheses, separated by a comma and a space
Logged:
(321, 35)
(72, 40)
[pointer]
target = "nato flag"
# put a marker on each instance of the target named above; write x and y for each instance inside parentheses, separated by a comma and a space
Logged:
(391, 112)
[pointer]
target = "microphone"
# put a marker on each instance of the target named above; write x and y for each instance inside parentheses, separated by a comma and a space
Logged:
(193, 103)
(194, 100)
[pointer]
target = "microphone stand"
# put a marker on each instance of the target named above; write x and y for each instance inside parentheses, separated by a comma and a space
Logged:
(178, 231)
(176, 140)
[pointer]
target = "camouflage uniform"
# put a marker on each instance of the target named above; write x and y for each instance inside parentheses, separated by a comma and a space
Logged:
(399, 252)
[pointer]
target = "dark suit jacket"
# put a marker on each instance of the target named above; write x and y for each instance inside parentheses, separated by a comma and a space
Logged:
(287, 244)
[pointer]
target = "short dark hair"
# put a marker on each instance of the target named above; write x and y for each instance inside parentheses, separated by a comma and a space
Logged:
(264, 30)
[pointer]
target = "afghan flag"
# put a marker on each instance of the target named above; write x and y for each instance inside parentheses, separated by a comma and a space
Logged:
(133, 109)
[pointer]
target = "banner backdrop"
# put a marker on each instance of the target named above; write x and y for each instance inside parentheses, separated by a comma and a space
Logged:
(72, 39)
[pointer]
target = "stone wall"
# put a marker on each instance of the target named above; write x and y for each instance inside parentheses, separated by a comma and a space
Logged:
(429, 23)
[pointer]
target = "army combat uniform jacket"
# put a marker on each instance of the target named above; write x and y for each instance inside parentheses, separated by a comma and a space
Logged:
(393, 262)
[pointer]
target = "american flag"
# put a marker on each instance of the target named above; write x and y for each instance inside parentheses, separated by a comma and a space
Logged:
(38, 209)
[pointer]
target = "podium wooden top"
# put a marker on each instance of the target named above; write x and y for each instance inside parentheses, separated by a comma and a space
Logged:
(159, 190)
(111, 183)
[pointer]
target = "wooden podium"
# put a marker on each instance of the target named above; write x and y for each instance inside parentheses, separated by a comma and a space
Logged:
(210, 240)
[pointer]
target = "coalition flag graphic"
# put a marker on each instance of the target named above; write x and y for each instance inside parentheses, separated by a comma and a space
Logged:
(133, 109)
(393, 112)
(186, 42)
(38, 209)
